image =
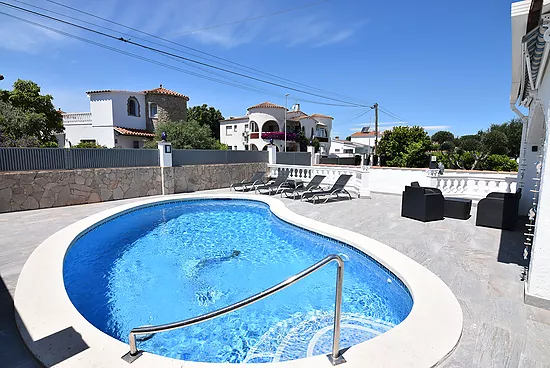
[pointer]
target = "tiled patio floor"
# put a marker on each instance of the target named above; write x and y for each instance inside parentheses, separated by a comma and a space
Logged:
(481, 266)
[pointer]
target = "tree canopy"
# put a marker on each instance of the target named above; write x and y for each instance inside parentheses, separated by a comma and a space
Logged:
(442, 136)
(188, 135)
(486, 150)
(27, 115)
(208, 116)
(404, 146)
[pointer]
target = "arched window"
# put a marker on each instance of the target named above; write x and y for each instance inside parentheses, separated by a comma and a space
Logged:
(153, 110)
(254, 127)
(311, 132)
(133, 106)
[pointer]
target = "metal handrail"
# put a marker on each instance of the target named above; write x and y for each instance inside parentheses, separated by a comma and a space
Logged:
(335, 358)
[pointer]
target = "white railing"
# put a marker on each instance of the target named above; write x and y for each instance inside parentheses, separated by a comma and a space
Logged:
(77, 117)
(357, 185)
(475, 185)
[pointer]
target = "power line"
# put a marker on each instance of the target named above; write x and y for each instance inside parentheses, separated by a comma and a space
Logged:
(391, 114)
(240, 66)
(248, 19)
(129, 53)
(178, 56)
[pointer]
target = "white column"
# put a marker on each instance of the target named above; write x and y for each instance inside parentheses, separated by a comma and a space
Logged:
(364, 189)
(165, 153)
(311, 151)
(272, 154)
(538, 287)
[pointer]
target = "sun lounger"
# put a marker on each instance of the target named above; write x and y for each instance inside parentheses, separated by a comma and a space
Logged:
(334, 191)
(258, 178)
(276, 186)
(313, 185)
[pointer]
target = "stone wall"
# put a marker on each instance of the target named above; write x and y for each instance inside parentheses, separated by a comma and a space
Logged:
(43, 189)
(191, 178)
(169, 108)
(30, 190)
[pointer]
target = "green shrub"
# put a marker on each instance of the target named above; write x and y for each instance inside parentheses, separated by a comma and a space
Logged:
(499, 163)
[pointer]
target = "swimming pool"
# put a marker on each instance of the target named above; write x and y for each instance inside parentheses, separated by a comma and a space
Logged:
(177, 260)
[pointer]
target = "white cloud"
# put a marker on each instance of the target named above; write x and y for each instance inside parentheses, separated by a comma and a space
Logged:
(436, 127)
(354, 129)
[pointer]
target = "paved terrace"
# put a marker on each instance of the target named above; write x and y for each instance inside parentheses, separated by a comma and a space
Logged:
(482, 266)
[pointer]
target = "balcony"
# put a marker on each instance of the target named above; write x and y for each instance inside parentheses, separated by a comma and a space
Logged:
(77, 118)
(279, 136)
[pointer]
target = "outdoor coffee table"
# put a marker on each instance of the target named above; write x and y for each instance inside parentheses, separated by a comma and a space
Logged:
(458, 208)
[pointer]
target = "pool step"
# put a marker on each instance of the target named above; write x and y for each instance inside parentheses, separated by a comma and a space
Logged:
(303, 336)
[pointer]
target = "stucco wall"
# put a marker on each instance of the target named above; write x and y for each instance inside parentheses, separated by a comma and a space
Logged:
(538, 284)
(43, 189)
(192, 178)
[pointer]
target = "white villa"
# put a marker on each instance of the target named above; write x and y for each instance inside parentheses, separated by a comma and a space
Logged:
(123, 119)
(366, 136)
(266, 121)
(531, 90)
(342, 148)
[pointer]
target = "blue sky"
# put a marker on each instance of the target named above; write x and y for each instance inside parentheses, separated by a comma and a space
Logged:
(436, 64)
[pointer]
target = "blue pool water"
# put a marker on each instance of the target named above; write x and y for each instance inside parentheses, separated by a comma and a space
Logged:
(178, 260)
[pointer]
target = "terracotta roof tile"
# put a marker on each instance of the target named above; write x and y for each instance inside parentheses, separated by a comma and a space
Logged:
(134, 132)
(110, 90)
(235, 118)
(266, 105)
(364, 135)
(321, 116)
(163, 91)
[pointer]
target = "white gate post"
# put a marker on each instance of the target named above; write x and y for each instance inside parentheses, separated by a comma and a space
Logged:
(272, 154)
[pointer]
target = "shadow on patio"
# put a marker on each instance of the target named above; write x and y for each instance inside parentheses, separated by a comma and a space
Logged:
(13, 351)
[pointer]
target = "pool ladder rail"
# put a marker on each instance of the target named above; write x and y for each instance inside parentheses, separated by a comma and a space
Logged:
(335, 357)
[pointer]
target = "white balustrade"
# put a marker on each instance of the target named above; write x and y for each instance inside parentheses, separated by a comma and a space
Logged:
(475, 185)
(77, 117)
(357, 185)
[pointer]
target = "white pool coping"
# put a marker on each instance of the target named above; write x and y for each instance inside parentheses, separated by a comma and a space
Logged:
(424, 339)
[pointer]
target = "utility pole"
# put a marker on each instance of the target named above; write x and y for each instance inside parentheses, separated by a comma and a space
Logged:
(375, 158)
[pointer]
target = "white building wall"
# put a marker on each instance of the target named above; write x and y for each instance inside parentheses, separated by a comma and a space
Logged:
(123, 141)
(538, 284)
(369, 141)
(234, 136)
(337, 148)
(119, 109)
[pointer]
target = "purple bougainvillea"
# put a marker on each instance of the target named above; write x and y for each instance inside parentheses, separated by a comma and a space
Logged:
(280, 136)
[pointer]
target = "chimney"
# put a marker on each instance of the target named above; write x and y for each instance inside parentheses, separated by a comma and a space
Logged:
(337, 137)
(296, 107)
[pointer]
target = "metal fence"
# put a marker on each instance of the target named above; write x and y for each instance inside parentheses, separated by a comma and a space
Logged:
(340, 161)
(294, 158)
(205, 157)
(23, 159)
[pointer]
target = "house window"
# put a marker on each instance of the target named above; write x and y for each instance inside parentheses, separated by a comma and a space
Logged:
(245, 127)
(337, 150)
(235, 148)
(153, 110)
(133, 106)
(136, 144)
(348, 151)
(254, 127)
(234, 128)
(228, 130)
(229, 148)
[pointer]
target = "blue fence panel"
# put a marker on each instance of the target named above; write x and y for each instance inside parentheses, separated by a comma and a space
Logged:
(24, 159)
(91, 158)
(206, 157)
(294, 158)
